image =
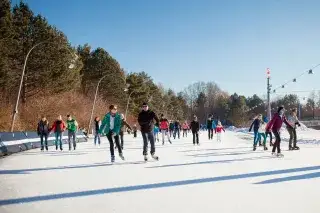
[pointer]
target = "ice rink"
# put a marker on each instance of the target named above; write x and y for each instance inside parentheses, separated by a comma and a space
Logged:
(226, 177)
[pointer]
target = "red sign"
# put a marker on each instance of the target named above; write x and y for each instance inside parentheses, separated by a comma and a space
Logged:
(268, 73)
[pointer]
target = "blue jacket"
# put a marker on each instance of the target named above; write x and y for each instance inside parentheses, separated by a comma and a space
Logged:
(214, 126)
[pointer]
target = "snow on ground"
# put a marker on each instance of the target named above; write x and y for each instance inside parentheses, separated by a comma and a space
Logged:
(214, 177)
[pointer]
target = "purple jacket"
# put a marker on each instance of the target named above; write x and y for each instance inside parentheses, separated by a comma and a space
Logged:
(276, 123)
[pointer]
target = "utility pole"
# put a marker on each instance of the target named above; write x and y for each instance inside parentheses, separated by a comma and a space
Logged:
(268, 92)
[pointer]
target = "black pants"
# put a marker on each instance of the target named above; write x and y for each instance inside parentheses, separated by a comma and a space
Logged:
(269, 133)
(293, 137)
(276, 144)
(116, 140)
(210, 133)
(176, 132)
(134, 134)
(171, 132)
(185, 132)
(195, 137)
(148, 136)
(44, 138)
(121, 139)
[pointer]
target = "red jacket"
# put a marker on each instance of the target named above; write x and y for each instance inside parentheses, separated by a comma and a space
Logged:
(276, 123)
(219, 129)
(185, 126)
(164, 124)
(60, 128)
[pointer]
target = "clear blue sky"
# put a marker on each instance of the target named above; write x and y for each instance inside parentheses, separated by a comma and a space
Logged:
(179, 42)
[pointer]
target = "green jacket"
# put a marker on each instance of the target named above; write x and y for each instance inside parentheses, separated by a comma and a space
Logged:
(105, 126)
(72, 125)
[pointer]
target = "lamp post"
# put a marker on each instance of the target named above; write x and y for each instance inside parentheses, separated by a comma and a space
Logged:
(15, 112)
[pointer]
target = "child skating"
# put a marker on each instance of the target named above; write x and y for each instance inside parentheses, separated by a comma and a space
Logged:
(218, 131)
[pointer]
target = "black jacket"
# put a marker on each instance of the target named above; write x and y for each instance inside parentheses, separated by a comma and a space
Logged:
(255, 124)
(195, 126)
(177, 125)
(209, 124)
(43, 128)
(145, 120)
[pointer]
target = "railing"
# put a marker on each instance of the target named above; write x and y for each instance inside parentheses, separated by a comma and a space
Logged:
(13, 142)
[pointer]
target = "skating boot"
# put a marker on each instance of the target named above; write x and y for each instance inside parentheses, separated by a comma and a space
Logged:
(265, 148)
(254, 148)
(290, 148)
(112, 159)
(271, 144)
(155, 157)
(280, 155)
(170, 142)
(296, 148)
(121, 156)
(146, 158)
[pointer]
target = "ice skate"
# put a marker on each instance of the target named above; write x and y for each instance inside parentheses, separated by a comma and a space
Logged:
(254, 148)
(265, 148)
(290, 148)
(280, 155)
(155, 157)
(121, 156)
(295, 148)
(112, 159)
(146, 158)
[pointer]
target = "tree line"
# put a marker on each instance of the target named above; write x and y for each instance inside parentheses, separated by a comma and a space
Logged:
(59, 76)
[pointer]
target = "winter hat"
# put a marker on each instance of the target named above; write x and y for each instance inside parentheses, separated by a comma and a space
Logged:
(280, 108)
(145, 104)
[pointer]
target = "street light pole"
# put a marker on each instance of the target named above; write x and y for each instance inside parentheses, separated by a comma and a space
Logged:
(15, 112)
(94, 102)
(268, 92)
(125, 116)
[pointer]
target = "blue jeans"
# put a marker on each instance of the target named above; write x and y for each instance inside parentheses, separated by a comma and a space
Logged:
(58, 139)
(256, 138)
(148, 136)
(97, 139)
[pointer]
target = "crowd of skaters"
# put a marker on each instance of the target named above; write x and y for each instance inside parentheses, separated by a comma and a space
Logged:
(263, 128)
(113, 126)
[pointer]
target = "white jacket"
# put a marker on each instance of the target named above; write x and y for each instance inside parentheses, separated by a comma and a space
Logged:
(293, 120)
(262, 128)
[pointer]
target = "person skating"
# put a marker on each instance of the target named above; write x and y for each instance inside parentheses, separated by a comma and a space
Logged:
(58, 128)
(195, 128)
(146, 121)
(177, 127)
(72, 127)
(124, 124)
(262, 135)
(111, 125)
(185, 128)
(218, 131)
(255, 125)
(294, 122)
(164, 128)
(275, 125)
(135, 130)
(171, 128)
(209, 127)
(97, 125)
(43, 131)
(156, 131)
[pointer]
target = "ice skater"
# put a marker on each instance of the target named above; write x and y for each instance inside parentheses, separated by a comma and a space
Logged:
(111, 125)
(256, 125)
(171, 128)
(43, 131)
(58, 128)
(262, 135)
(156, 133)
(185, 128)
(124, 124)
(218, 131)
(195, 128)
(145, 119)
(164, 128)
(209, 127)
(177, 127)
(135, 130)
(294, 122)
(97, 125)
(72, 127)
(275, 125)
